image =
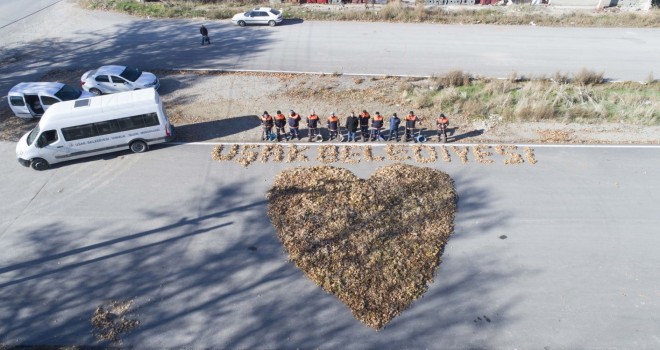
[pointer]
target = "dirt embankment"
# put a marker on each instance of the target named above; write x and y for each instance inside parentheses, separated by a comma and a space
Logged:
(224, 107)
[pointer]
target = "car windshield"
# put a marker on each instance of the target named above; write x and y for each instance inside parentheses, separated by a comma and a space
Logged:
(131, 74)
(68, 93)
(33, 135)
(275, 12)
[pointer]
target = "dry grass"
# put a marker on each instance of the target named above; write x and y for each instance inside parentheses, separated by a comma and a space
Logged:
(378, 250)
(463, 98)
(588, 77)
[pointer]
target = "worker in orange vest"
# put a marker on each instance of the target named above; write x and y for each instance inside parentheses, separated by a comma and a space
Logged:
(333, 125)
(267, 124)
(280, 123)
(376, 125)
(294, 124)
(411, 119)
(442, 123)
(312, 125)
(364, 124)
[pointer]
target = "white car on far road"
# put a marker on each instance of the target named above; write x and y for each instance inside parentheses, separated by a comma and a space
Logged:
(111, 79)
(259, 15)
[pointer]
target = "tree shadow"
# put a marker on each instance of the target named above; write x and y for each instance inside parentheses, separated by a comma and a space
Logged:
(148, 45)
(211, 272)
(473, 133)
(292, 21)
(217, 128)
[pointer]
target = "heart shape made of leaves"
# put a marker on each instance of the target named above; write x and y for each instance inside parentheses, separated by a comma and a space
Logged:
(375, 243)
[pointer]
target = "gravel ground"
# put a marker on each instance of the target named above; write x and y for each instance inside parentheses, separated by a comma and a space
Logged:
(224, 107)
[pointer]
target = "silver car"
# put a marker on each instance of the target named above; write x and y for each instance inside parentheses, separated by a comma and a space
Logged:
(111, 79)
(259, 15)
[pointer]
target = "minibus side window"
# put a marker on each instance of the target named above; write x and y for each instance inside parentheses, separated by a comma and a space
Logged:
(79, 132)
(131, 123)
(151, 119)
(107, 127)
(17, 101)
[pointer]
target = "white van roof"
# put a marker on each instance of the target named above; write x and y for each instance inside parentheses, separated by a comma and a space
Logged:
(44, 88)
(97, 108)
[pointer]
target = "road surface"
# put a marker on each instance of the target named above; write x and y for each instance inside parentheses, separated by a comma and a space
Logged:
(188, 240)
(63, 36)
(559, 254)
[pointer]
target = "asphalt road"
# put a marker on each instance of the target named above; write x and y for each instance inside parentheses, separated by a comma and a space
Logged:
(65, 37)
(187, 239)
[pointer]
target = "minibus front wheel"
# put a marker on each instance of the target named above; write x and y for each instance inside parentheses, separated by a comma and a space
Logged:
(39, 164)
(138, 146)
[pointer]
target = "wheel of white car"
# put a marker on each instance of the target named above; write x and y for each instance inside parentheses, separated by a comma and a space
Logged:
(271, 23)
(39, 164)
(138, 146)
(95, 91)
(241, 23)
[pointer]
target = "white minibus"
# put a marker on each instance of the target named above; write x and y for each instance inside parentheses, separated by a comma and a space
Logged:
(82, 128)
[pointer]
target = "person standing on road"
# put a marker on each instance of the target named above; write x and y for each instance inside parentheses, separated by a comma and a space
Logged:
(312, 125)
(280, 123)
(205, 35)
(267, 123)
(352, 124)
(394, 127)
(376, 125)
(333, 125)
(294, 124)
(364, 124)
(442, 123)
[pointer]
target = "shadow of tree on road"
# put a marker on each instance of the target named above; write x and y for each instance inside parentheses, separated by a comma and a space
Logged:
(213, 273)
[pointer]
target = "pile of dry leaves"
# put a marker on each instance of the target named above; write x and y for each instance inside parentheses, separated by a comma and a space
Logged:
(111, 321)
(374, 243)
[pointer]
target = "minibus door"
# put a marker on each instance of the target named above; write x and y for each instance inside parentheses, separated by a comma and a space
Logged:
(51, 146)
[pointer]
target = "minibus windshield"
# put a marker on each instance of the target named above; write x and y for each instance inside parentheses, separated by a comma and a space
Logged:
(33, 135)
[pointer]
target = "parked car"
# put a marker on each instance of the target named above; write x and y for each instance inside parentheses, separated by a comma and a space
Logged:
(111, 79)
(31, 100)
(259, 15)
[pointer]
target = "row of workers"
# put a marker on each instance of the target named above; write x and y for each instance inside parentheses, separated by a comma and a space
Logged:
(369, 132)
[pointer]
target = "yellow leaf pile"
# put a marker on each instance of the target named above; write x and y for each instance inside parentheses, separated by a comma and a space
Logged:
(110, 322)
(373, 243)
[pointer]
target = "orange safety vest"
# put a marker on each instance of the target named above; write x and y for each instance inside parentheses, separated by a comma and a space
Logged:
(333, 119)
(267, 120)
(280, 117)
(410, 117)
(443, 121)
(377, 122)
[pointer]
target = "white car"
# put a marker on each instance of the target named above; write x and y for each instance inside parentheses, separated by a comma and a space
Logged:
(111, 79)
(259, 15)
(31, 100)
